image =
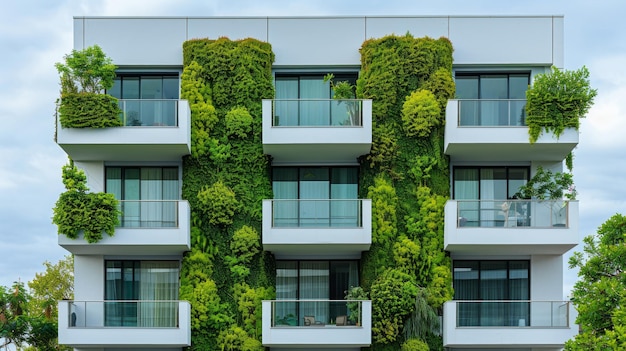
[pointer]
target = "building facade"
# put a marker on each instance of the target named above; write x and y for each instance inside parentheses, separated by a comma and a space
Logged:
(505, 254)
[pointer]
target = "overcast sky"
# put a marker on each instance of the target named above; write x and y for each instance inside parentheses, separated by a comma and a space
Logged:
(36, 34)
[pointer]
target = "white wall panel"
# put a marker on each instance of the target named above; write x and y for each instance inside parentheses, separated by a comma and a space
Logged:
(138, 41)
(316, 41)
(230, 27)
(501, 40)
(88, 278)
(434, 27)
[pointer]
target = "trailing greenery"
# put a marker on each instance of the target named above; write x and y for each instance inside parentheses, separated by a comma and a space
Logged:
(406, 271)
(558, 100)
(226, 275)
(84, 76)
(78, 211)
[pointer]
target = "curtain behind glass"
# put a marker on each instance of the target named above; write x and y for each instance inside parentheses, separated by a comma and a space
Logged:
(345, 208)
(314, 195)
(285, 187)
(286, 289)
(286, 113)
(493, 186)
(466, 188)
(494, 108)
(159, 290)
(314, 113)
(313, 285)
(467, 88)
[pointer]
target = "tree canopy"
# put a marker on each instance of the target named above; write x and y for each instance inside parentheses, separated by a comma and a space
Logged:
(600, 292)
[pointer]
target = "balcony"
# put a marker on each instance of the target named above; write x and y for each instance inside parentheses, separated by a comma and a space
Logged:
(317, 131)
(317, 323)
(154, 130)
(147, 227)
(495, 130)
(84, 324)
(317, 227)
(510, 226)
(485, 324)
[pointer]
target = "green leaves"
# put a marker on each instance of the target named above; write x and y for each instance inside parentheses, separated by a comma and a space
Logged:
(88, 70)
(89, 110)
(546, 185)
(558, 100)
(218, 202)
(421, 113)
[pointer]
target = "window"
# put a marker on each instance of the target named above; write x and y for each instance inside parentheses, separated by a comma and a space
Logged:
(494, 99)
(492, 280)
(129, 282)
(314, 280)
(490, 187)
(305, 100)
(147, 99)
(148, 195)
(316, 197)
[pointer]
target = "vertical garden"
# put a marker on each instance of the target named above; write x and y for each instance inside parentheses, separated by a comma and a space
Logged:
(406, 273)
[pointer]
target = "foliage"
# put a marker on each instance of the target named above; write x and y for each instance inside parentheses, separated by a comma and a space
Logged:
(225, 180)
(236, 339)
(238, 122)
(601, 288)
(56, 283)
(384, 148)
(423, 320)
(558, 100)
(218, 202)
(78, 211)
(353, 294)
(88, 70)
(546, 185)
(89, 110)
(18, 326)
(421, 113)
(414, 345)
(393, 294)
(384, 203)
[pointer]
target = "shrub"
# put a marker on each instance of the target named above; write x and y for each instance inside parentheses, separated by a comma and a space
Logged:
(218, 203)
(420, 113)
(238, 122)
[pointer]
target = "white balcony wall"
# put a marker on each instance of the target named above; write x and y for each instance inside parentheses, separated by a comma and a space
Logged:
(88, 277)
(477, 143)
(503, 337)
(138, 241)
(317, 145)
(306, 41)
(339, 242)
(129, 143)
(509, 240)
(317, 337)
(82, 337)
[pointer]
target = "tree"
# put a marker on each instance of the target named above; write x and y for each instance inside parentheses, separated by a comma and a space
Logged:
(56, 283)
(88, 70)
(600, 293)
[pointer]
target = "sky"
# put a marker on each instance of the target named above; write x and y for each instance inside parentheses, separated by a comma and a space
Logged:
(34, 34)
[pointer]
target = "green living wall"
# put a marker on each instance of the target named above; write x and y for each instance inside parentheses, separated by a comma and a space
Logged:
(406, 273)
(227, 274)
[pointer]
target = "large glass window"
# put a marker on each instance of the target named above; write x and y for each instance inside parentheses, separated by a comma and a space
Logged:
(481, 281)
(141, 293)
(316, 196)
(488, 186)
(147, 99)
(304, 100)
(313, 280)
(492, 99)
(148, 195)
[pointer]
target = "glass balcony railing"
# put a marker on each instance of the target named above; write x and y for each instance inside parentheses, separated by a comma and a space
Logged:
(149, 213)
(153, 112)
(325, 213)
(492, 112)
(317, 113)
(513, 213)
(123, 313)
(316, 313)
(512, 313)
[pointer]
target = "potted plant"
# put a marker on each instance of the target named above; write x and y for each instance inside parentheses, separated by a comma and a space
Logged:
(355, 295)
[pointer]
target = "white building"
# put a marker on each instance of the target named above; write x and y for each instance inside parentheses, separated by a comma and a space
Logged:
(507, 254)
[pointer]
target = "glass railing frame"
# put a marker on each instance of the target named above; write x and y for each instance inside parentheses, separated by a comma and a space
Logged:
(520, 210)
(176, 214)
(357, 323)
(126, 119)
(531, 311)
(72, 306)
(354, 122)
(299, 218)
(509, 103)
